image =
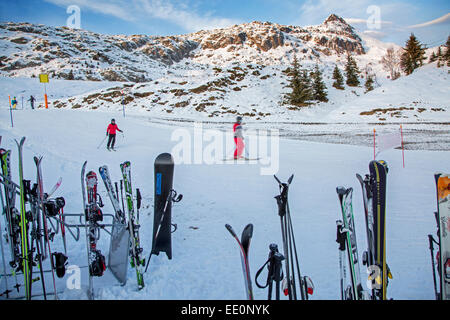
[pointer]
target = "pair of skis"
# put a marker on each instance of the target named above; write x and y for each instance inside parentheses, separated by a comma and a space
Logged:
(92, 204)
(374, 199)
(136, 261)
(346, 237)
(443, 231)
(124, 236)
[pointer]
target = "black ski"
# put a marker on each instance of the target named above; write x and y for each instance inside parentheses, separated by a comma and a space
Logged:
(244, 245)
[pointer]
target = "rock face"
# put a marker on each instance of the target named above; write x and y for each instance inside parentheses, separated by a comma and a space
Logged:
(33, 49)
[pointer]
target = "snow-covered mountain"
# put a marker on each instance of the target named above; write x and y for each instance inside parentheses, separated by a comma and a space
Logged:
(64, 53)
(218, 74)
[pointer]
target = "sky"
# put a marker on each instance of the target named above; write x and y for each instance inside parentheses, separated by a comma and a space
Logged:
(387, 20)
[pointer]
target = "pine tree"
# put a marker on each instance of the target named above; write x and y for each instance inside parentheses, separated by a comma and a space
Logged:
(447, 51)
(352, 72)
(369, 83)
(300, 85)
(338, 79)
(433, 58)
(319, 88)
(413, 55)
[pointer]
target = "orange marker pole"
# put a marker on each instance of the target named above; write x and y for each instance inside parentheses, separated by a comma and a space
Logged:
(45, 97)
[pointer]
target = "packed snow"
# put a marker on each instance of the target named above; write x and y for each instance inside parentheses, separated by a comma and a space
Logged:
(206, 263)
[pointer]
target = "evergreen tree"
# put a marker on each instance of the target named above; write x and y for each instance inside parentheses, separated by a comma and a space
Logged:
(319, 88)
(433, 58)
(413, 55)
(447, 51)
(300, 85)
(352, 72)
(338, 79)
(369, 83)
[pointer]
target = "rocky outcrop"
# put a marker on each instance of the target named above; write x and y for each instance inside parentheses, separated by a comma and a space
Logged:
(87, 55)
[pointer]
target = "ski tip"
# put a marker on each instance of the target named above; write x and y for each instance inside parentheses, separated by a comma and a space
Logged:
(290, 179)
(341, 190)
(230, 229)
(248, 230)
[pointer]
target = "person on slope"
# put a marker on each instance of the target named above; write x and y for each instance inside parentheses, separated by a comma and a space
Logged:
(32, 100)
(238, 138)
(111, 131)
(14, 103)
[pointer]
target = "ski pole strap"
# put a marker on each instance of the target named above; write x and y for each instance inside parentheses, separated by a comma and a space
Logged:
(259, 273)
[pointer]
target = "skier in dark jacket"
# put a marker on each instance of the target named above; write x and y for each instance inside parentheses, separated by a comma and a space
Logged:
(14, 103)
(32, 100)
(111, 132)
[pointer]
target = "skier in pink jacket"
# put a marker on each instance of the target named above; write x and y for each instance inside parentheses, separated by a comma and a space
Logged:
(111, 132)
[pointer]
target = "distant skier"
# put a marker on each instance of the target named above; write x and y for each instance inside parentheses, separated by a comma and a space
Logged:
(238, 138)
(32, 100)
(14, 103)
(111, 132)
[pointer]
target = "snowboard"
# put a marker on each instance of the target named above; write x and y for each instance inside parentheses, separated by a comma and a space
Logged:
(162, 223)
(443, 194)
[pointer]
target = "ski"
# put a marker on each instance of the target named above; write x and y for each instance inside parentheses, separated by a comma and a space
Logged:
(133, 226)
(25, 254)
(244, 246)
(104, 173)
(348, 228)
(378, 174)
(93, 215)
(42, 219)
(120, 237)
(443, 196)
(12, 215)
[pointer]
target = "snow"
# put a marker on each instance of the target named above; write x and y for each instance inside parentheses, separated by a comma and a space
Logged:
(324, 145)
(206, 263)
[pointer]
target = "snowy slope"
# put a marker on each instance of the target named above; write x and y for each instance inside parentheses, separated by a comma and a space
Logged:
(206, 262)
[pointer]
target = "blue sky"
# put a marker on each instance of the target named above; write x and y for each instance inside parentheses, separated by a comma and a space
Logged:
(429, 20)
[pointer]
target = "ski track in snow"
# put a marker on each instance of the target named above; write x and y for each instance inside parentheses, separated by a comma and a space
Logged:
(206, 263)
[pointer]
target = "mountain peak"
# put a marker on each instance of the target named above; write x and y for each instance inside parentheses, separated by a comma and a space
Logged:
(335, 18)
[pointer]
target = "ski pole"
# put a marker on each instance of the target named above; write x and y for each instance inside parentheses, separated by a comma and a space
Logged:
(102, 142)
(431, 241)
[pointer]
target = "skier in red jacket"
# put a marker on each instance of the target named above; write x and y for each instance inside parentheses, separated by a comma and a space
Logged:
(238, 139)
(111, 132)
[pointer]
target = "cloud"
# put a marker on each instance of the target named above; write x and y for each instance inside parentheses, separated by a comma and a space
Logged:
(441, 20)
(112, 7)
(316, 11)
(181, 14)
(375, 34)
(354, 21)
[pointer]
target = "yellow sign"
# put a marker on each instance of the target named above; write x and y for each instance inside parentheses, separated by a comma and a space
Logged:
(43, 78)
